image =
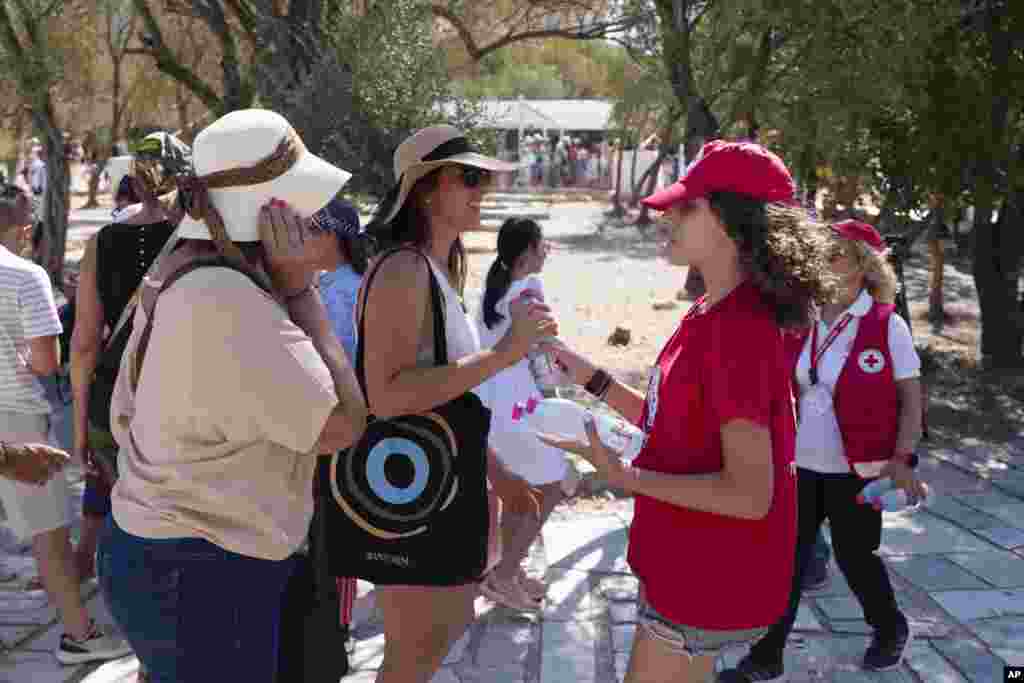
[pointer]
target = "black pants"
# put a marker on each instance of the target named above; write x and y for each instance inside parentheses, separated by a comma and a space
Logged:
(856, 535)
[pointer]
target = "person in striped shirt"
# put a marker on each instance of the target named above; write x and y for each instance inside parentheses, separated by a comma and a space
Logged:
(29, 349)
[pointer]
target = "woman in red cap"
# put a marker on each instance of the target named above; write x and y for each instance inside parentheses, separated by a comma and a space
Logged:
(714, 482)
(860, 418)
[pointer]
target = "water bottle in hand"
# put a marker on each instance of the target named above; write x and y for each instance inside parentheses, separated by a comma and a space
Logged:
(883, 495)
(562, 417)
(545, 372)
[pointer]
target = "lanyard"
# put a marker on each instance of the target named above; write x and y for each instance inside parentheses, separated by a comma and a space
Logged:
(817, 353)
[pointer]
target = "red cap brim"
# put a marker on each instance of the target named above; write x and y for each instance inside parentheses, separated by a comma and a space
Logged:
(667, 197)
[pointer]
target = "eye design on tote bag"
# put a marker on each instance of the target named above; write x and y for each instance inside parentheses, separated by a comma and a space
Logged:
(400, 474)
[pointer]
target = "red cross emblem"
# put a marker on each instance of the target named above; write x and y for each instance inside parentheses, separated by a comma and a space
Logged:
(871, 361)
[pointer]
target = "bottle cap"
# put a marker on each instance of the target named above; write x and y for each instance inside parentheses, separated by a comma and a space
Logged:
(531, 404)
(517, 411)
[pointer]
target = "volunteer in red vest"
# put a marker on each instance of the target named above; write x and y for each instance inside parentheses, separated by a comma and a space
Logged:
(859, 418)
(714, 483)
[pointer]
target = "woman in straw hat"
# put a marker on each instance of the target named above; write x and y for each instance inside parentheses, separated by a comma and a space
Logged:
(232, 382)
(714, 482)
(440, 186)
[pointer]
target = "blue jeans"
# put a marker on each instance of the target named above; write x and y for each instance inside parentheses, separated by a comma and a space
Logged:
(191, 610)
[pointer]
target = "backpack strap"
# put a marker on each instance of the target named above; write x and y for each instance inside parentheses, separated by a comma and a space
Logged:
(140, 351)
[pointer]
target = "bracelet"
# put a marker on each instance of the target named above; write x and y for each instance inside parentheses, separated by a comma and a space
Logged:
(607, 387)
(288, 298)
(598, 384)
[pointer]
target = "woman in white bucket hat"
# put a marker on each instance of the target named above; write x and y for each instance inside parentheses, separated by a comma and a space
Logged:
(232, 382)
(437, 197)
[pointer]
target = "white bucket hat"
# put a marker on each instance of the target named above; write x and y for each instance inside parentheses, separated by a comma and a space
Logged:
(433, 147)
(244, 159)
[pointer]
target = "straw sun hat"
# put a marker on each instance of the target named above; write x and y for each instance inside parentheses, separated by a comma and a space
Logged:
(431, 148)
(244, 159)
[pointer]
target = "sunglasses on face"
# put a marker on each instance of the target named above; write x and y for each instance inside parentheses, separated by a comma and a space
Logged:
(473, 177)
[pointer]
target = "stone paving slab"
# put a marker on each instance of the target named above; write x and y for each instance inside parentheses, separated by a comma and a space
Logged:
(935, 572)
(966, 606)
(1000, 569)
(963, 592)
(593, 544)
(972, 658)
(924, 534)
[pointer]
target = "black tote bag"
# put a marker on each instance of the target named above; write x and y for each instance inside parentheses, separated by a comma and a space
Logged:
(409, 504)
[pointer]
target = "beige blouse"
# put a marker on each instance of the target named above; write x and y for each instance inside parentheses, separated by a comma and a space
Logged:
(231, 400)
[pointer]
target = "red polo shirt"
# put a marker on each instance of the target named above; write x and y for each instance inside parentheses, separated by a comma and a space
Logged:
(698, 568)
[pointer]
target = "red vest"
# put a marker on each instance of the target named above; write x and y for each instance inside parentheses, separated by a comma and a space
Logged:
(865, 398)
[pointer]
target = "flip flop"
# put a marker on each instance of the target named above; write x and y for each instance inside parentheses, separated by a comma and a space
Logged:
(509, 595)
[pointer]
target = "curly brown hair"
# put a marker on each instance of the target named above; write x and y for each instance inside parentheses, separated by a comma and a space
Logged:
(879, 277)
(784, 252)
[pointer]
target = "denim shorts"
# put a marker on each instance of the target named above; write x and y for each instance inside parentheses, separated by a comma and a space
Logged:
(689, 639)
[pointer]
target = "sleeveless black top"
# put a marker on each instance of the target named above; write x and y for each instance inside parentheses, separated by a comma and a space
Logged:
(123, 255)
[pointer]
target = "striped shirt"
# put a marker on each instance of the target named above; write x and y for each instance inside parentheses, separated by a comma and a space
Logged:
(27, 311)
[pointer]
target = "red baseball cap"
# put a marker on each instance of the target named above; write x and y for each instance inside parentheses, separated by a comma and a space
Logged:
(740, 167)
(859, 232)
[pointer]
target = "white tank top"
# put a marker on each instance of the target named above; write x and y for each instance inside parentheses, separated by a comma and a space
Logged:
(460, 332)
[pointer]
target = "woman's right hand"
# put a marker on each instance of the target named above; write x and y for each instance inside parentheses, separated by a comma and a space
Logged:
(529, 323)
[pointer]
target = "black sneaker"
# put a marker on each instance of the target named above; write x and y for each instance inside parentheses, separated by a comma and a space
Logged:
(886, 651)
(749, 671)
(817, 575)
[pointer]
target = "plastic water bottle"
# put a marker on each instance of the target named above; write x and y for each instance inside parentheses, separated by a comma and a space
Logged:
(883, 495)
(546, 374)
(562, 417)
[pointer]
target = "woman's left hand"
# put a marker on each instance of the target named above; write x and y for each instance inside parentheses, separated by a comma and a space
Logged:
(604, 459)
(904, 478)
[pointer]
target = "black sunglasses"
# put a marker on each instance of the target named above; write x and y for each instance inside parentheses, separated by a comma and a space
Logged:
(475, 177)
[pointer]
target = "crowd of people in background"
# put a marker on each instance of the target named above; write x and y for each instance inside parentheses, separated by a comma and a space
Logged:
(261, 339)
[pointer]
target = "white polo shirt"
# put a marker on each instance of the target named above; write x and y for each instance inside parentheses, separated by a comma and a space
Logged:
(819, 443)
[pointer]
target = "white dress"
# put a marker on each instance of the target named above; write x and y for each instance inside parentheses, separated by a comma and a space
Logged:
(517, 446)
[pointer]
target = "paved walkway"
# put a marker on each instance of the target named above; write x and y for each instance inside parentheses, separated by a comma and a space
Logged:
(958, 569)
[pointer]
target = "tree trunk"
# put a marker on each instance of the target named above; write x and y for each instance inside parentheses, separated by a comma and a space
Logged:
(634, 199)
(644, 219)
(96, 172)
(996, 249)
(1000, 335)
(617, 209)
(701, 126)
(937, 255)
(56, 199)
